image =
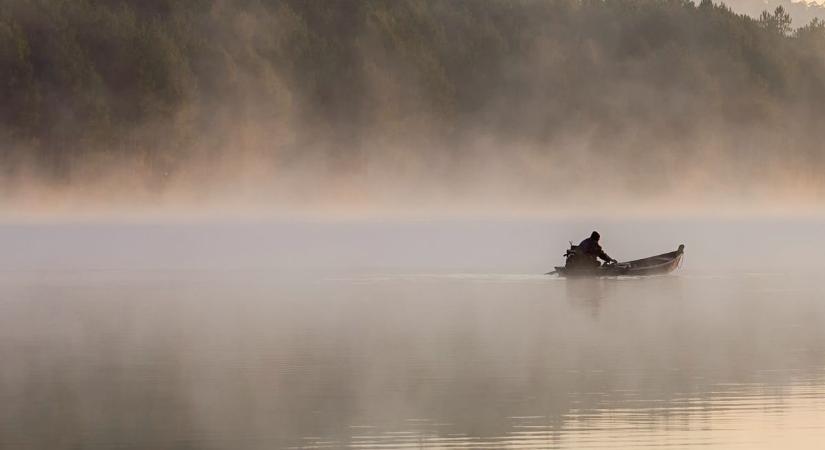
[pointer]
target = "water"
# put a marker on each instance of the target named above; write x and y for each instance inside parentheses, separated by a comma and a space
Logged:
(208, 358)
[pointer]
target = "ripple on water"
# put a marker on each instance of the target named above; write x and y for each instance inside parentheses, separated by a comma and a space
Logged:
(749, 416)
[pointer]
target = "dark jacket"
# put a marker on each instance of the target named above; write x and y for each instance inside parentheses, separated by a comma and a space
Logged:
(592, 249)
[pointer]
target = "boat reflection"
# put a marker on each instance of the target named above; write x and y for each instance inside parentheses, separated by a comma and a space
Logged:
(589, 293)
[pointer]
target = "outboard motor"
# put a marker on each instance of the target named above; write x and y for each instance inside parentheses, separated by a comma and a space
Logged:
(572, 257)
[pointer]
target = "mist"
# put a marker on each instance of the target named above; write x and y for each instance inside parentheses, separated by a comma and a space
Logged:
(392, 108)
(389, 335)
(329, 224)
(443, 246)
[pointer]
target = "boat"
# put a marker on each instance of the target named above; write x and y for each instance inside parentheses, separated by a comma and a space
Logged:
(654, 265)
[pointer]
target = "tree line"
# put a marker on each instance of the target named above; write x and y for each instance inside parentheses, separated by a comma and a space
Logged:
(165, 81)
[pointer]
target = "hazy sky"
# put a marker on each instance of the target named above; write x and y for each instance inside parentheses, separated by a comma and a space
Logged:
(799, 13)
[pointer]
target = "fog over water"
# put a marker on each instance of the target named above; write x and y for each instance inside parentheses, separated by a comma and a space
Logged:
(774, 244)
(423, 334)
(351, 107)
(294, 224)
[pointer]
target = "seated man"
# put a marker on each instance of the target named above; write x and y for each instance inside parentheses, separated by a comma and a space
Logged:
(591, 250)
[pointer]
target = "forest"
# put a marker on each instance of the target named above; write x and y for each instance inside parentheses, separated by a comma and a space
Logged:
(159, 84)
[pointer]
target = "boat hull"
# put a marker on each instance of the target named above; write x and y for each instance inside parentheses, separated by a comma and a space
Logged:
(654, 265)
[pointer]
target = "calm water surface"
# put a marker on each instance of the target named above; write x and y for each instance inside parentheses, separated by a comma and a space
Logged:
(252, 360)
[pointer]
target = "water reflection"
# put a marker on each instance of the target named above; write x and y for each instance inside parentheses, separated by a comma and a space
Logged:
(588, 293)
(421, 361)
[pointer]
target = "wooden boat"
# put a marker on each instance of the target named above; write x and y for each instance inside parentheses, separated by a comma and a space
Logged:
(654, 265)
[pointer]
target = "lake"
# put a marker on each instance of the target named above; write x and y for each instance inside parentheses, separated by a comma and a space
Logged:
(407, 335)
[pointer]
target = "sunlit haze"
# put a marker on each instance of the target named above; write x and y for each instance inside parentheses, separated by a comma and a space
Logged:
(422, 224)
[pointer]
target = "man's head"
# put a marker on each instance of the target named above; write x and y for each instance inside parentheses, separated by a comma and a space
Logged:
(595, 236)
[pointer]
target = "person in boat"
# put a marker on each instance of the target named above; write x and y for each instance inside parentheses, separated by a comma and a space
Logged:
(591, 251)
